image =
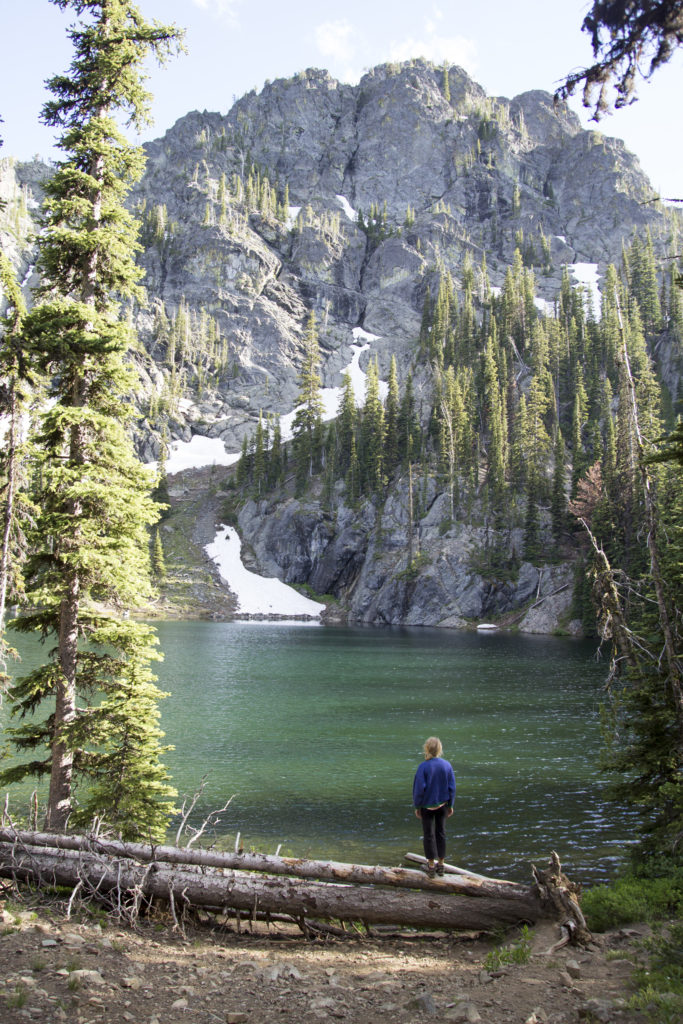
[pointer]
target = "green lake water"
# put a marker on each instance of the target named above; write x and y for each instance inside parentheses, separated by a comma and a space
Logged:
(318, 731)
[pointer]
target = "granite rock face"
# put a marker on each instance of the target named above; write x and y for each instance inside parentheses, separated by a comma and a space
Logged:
(250, 222)
(363, 558)
(451, 177)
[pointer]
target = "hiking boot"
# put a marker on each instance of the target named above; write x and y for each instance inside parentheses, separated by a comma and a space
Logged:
(440, 869)
(429, 872)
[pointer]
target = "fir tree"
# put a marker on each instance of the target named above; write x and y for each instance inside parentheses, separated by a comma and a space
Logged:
(372, 432)
(309, 414)
(391, 413)
(89, 546)
(158, 560)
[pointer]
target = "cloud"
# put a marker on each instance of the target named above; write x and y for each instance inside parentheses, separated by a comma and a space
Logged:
(225, 10)
(438, 48)
(334, 39)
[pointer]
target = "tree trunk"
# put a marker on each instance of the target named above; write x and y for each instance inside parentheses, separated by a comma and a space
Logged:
(206, 878)
(59, 795)
(236, 890)
(456, 879)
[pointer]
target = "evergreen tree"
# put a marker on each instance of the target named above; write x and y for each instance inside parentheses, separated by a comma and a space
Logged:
(345, 426)
(89, 545)
(12, 405)
(391, 413)
(158, 560)
(372, 432)
(309, 413)
(494, 411)
(408, 424)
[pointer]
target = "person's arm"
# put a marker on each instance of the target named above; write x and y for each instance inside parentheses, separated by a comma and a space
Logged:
(418, 791)
(451, 791)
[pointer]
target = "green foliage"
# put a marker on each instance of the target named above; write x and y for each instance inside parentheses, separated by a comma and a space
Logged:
(517, 953)
(633, 898)
(660, 982)
(89, 544)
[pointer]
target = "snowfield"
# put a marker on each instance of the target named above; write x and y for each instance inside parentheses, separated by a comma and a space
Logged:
(256, 595)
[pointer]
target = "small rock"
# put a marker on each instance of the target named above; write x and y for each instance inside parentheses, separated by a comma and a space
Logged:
(48, 942)
(566, 979)
(86, 977)
(179, 1004)
(236, 1017)
(132, 982)
(322, 1004)
(463, 1012)
(424, 1003)
(572, 968)
(597, 1009)
(485, 978)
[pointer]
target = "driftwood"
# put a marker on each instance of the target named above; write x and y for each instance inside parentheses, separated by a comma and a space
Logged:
(127, 874)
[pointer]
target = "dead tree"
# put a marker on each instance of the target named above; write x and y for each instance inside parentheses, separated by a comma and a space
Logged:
(126, 874)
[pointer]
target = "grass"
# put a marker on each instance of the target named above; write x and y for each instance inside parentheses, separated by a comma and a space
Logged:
(516, 953)
(660, 981)
(18, 998)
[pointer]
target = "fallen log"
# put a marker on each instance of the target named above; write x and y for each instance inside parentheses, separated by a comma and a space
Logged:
(130, 883)
(298, 867)
(107, 869)
(451, 869)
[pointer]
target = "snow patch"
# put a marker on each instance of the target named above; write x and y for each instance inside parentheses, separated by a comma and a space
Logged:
(199, 451)
(586, 274)
(331, 397)
(256, 595)
(347, 208)
(292, 214)
(544, 307)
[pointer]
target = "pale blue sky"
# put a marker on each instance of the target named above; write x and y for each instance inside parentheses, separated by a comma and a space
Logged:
(236, 45)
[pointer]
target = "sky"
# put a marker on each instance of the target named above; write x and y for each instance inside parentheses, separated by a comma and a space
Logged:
(234, 46)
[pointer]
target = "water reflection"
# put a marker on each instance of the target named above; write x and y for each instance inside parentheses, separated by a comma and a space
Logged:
(317, 732)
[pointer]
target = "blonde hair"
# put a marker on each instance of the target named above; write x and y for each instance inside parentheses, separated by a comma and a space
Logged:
(432, 747)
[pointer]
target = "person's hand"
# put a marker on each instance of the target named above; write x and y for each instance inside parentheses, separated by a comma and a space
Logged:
(418, 812)
(449, 812)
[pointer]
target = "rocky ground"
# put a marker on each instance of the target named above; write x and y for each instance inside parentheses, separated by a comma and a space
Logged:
(90, 969)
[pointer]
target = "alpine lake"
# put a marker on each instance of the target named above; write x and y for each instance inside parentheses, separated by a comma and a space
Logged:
(315, 733)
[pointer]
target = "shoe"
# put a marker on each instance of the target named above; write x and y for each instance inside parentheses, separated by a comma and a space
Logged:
(440, 869)
(429, 872)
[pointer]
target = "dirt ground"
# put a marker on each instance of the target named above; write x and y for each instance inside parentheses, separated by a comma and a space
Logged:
(89, 969)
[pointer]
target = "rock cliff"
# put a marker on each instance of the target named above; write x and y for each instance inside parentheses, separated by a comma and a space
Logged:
(350, 201)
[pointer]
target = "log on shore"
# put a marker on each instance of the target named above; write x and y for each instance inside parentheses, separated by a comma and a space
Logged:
(193, 885)
(458, 880)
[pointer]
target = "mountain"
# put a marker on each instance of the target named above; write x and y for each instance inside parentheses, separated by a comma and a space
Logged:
(357, 203)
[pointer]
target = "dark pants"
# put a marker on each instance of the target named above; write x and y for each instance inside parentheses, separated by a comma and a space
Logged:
(434, 832)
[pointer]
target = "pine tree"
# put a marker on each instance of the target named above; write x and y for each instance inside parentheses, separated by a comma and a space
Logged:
(309, 414)
(158, 560)
(372, 433)
(345, 426)
(89, 546)
(16, 508)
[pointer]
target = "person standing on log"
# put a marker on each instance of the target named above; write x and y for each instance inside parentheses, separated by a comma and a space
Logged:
(433, 796)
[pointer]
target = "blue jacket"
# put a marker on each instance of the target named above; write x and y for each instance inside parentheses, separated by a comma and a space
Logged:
(434, 783)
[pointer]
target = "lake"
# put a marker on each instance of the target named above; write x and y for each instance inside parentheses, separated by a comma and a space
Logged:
(316, 733)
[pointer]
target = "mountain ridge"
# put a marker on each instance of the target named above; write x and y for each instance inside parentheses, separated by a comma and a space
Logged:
(355, 203)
